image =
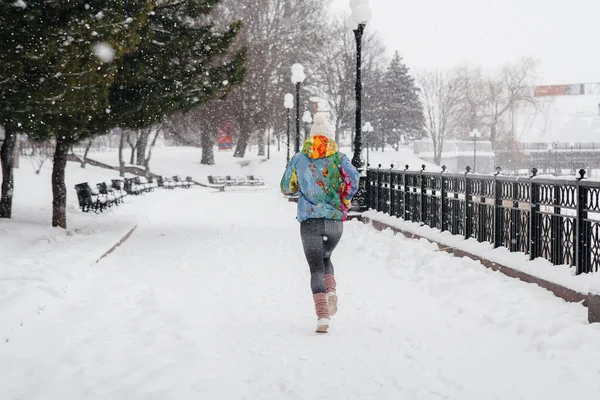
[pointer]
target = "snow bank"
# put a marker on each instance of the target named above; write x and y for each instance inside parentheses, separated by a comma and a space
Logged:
(563, 275)
(39, 263)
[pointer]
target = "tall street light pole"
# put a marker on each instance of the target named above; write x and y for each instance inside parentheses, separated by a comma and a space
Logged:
(288, 104)
(298, 77)
(361, 14)
(475, 134)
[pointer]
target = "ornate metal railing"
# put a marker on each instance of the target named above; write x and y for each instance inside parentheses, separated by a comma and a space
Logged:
(556, 219)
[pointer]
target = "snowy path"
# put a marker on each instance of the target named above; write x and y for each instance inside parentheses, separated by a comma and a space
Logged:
(210, 300)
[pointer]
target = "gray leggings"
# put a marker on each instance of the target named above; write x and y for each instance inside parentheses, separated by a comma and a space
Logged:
(319, 239)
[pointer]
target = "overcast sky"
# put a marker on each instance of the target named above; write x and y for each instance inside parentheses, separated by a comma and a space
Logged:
(563, 34)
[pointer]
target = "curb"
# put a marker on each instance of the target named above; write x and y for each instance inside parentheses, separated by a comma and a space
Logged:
(119, 243)
(590, 301)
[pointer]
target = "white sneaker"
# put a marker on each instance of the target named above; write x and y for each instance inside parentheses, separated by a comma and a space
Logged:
(332, 301)
(322, 325)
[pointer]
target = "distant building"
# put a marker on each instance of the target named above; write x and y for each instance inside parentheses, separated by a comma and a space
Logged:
(458, 154)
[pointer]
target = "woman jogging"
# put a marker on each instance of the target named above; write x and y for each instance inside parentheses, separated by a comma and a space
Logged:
(326, 182)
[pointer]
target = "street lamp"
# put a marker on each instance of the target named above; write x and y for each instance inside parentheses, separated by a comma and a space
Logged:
(475, 134)
(307, 119)
(288, 103)
(367, 129)
(554, 145)
(298, 77)
(361, 14)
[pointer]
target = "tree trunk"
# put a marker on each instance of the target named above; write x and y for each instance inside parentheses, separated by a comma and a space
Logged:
(7, 160)
(59, 189)
(147, 160)
(242, 143)
(261, 144)
(87, 150)
(142, 144)
(208, 155)
(121, 162)
(132, 157)
(493, 134)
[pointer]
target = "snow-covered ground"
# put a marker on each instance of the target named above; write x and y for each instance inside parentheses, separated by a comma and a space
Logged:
(210, 299)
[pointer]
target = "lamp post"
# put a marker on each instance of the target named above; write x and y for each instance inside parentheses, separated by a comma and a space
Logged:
(298, 77)
(361, 14)
(367, 129)
(288, 104)
(554, 145)
(475, 134)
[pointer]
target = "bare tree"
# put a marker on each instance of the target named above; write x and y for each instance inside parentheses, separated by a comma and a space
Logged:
(441, 95)
(336, 74)
(40, 153)
(490, 102)
(513, 87)
(277, 33)
(156, 131)
(132, 139)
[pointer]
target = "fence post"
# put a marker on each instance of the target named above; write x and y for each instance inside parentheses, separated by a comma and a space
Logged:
(368, 188)
(582, 234)
(422, 217)
(467, 220)
(444, 204)
(379, 186)
(498, 211)
(557, 227)
(534, 228)
(405, 204)
(393, 184)
(388, 191)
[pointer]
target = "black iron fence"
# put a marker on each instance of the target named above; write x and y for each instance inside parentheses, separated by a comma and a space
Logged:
(557, 219)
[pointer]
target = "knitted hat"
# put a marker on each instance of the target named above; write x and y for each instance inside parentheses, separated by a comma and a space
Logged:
(322, 127)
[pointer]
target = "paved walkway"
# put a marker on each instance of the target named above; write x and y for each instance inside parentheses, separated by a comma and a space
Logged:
(210, 299)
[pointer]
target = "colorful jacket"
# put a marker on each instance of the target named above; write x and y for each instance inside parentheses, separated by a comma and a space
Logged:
(325, 179)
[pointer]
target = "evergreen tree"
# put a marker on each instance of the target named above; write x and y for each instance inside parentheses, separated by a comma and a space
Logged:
(401, 108)
(182, 63)
(64, 57)
(68, 75)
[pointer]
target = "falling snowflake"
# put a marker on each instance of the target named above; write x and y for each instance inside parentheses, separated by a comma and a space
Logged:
(104, 52)
(20, 4)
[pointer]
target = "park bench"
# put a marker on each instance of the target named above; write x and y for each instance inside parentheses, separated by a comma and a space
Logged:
(131, 187)
(118, 185)
(88, 198)
(105, 191)
(169, 183)
(182, 182)
(143, 183)
(153, 182)
(216, 180)
(256, 180)
(228, 180)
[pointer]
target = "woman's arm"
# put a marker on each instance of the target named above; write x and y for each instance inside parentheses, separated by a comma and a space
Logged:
(289, 181)
(351, 177)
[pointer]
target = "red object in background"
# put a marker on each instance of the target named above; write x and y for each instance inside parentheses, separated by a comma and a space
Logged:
(559, 90)
(225, 136)
(315, 107)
